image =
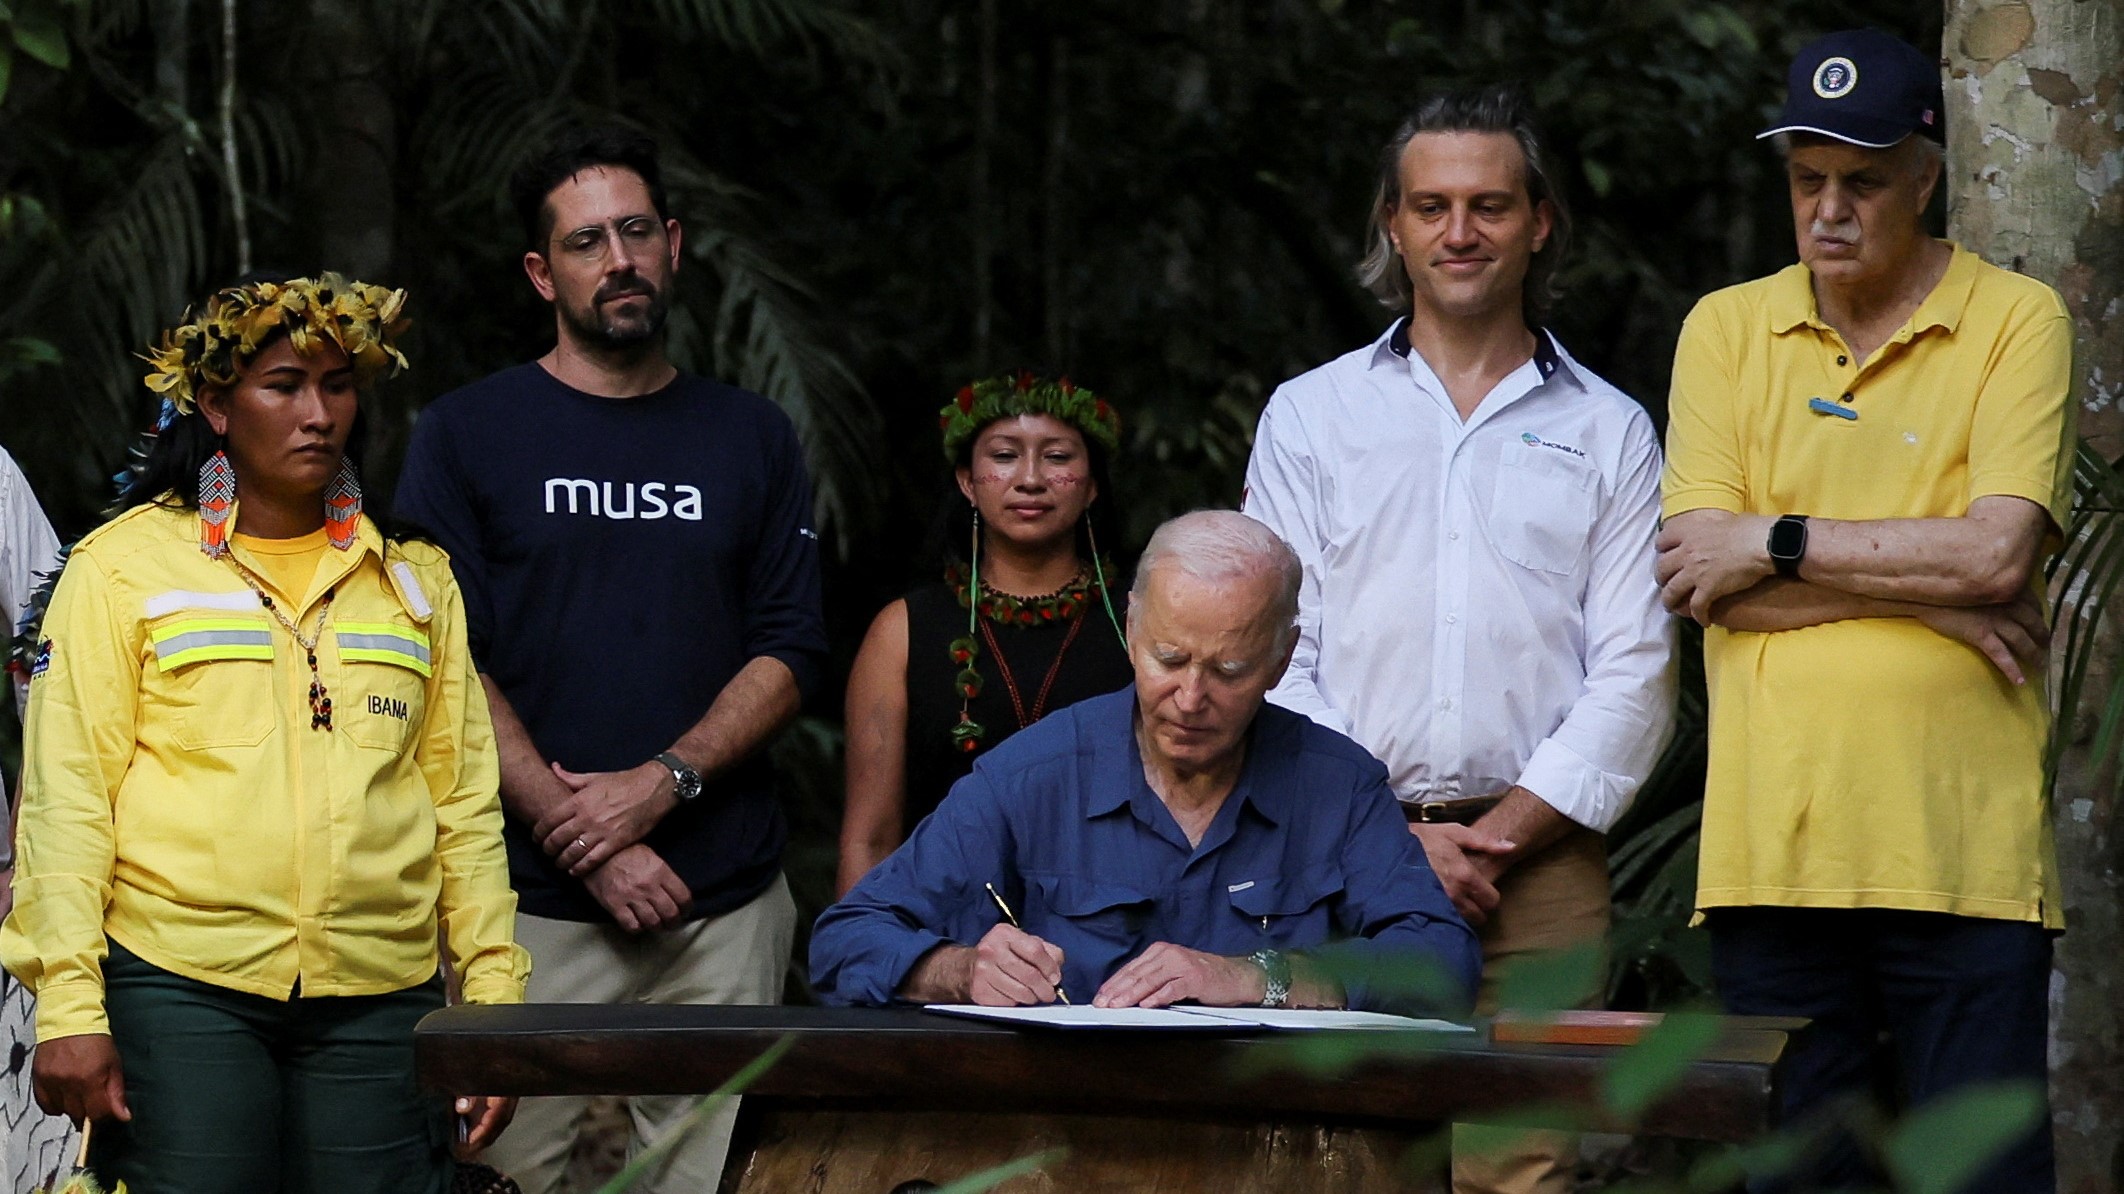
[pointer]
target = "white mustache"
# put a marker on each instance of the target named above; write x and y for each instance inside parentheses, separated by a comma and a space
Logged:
(1843, 230)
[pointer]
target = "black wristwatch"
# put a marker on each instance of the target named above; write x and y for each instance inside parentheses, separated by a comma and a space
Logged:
(685, 781)
(1788, 543)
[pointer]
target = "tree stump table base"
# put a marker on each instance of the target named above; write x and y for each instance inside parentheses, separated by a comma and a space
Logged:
(874, 1152)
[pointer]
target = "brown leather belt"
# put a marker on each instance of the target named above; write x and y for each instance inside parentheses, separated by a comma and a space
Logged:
(1465, 811)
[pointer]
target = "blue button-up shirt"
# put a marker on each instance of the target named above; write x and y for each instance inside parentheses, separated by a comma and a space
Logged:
(1310, 848)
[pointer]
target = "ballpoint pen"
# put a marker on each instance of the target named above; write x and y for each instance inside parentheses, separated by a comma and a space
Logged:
(1012, 917)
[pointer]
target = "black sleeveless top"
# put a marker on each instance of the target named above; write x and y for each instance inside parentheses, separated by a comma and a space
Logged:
(1095, 663)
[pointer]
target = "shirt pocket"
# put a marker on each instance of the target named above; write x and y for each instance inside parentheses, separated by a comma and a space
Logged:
(1294, 909)
(213, 676)
(384, 669)
(1112, 913)
(1542, 500)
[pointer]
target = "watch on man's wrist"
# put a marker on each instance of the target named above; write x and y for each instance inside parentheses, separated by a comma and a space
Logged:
(685, 781)
(1788, 544)
(1276, 975)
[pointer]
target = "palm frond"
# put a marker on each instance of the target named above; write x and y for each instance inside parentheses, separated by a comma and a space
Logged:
(758, 26)
(475, 134)
(765, 333)
(2083, 579)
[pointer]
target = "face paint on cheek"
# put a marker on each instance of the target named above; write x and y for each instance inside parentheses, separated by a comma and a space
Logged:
(1065, 480)
(992, 477)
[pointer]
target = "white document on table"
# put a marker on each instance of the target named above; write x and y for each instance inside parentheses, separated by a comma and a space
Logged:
(1196, 1019)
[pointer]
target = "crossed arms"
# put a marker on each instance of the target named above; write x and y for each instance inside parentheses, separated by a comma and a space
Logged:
(1968, 578)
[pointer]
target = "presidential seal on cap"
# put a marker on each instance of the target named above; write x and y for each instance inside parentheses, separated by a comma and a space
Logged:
(1861, 86)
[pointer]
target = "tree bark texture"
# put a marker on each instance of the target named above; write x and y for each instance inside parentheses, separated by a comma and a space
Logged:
(2035, 128)
(352, 166)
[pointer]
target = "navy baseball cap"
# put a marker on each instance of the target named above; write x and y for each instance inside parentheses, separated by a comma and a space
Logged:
(1862, 86)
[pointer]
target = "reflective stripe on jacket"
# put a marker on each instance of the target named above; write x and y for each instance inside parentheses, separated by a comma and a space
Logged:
(177, 799)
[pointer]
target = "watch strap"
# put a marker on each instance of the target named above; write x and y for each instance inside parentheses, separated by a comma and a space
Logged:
(685, 781)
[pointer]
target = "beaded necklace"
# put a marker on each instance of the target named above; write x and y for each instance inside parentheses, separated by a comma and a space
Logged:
(320, 698)
(1066, 604)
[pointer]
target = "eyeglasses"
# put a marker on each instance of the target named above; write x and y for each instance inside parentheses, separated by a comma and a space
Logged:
(637, 235)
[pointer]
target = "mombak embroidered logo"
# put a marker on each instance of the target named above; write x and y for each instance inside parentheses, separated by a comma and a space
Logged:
(1534, 441)
(601, 499)
(383, 706)
(43, 662)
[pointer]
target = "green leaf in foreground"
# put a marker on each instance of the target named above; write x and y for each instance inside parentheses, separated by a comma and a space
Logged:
(1324, 1054)
(1552, 981)
(989, 1179)
(1940, 1146)
(42, 37)
(707, 1107)
(1650, 1068)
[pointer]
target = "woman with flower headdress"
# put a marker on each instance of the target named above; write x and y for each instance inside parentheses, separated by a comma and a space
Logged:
(258, 779)
(1021, 625)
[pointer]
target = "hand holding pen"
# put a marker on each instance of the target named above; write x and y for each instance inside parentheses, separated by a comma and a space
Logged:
(1013, 967)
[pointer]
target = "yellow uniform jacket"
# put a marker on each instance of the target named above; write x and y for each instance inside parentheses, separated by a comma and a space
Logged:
(177, 799)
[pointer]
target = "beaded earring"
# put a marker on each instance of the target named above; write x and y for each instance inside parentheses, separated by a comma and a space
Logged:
(217, 497)
(343, 505)
(967, 734)
(1099, 571)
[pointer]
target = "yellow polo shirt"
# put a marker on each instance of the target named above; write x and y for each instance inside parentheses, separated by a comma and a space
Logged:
(176, 798)
(1873, 763)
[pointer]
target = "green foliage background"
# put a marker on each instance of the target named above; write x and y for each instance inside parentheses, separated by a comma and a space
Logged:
(1162, 198)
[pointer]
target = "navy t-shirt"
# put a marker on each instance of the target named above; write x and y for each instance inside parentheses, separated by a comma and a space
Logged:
(621, 560)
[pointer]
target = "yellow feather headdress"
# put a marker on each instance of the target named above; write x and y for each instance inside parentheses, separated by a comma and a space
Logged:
(213, 349)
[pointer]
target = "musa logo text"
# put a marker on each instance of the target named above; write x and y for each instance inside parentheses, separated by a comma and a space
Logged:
(650, 500)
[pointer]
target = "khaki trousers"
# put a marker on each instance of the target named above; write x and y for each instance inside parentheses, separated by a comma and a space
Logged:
(739, 957)
(1554, 900)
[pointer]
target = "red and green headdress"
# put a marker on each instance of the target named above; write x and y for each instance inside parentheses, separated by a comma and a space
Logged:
(1011, 395)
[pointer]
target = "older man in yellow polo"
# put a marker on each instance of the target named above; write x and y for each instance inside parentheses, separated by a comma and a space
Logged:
(1869, 456)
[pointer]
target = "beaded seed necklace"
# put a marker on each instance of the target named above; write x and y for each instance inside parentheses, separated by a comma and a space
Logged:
(320, 698)
(1066, 604)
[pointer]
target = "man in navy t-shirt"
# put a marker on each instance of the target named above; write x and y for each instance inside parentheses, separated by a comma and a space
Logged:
(641, 580)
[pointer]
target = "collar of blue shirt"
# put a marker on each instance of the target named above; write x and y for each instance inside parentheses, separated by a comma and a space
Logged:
(1107, 733)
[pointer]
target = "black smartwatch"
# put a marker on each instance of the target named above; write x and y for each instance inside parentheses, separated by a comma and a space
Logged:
(1788, 543)
(685, 781)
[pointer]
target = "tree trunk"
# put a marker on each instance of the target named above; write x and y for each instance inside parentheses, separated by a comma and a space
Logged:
(352, 209)
(1054, 198)
(171, 21)
(984, 215)
(2035, 125)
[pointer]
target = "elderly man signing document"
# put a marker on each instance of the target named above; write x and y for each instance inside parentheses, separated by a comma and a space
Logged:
(1178, 841)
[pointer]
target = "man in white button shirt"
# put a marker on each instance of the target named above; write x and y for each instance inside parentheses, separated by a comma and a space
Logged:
(1475, 513)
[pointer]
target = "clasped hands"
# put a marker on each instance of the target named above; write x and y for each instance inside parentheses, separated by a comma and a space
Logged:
(596, 833)
(1011, 967)
(1468, 863)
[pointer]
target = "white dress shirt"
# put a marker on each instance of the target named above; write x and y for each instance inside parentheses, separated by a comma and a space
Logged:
(27, 551)
(1479, 608)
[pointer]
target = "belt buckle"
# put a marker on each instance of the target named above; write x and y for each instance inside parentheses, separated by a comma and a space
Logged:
(1431, 812)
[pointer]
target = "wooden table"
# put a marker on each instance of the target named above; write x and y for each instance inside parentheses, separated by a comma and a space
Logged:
(867, 1098)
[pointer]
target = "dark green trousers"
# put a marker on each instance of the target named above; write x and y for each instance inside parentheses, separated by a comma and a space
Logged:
(238, 1094)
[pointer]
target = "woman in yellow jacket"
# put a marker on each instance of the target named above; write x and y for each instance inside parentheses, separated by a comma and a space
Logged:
(259, 777)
